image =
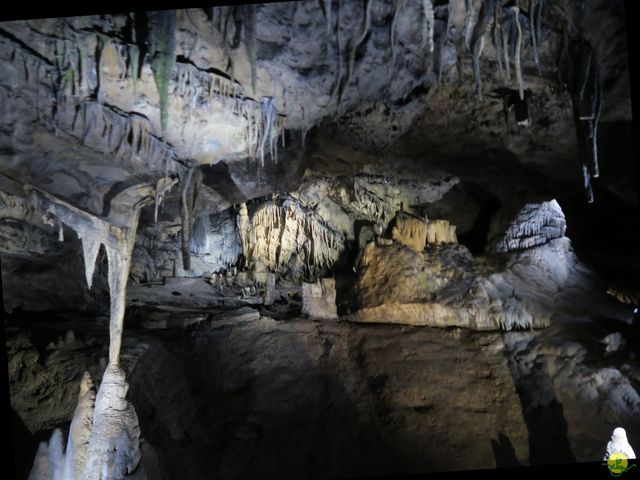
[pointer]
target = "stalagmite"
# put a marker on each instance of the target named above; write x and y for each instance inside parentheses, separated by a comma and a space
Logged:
(113, 448)
(40, 469)
(243, 225)
(107, 436)
(80, 430)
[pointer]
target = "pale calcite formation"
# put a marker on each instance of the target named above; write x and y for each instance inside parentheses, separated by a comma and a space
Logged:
(80, 430)
(410, 231)
(319, 299)
(104, 436)
(287, 236)
(113, 450)
(440, 231)
(415, 232)
(446, 286)
(535, 224)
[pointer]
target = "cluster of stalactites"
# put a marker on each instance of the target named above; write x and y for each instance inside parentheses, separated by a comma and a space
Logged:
(264, 126)
(507, 24)
(276, 233)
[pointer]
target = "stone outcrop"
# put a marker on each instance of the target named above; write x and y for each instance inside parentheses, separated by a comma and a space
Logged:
(440, 231)
(535, 224)
(319, 299)
(446, 286)
(409, 231)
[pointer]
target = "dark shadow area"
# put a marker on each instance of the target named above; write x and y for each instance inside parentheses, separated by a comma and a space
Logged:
(542, 412)
(24, 445)
(231, 402)
(218, 177)
(548, 435)
(476, 238)
(605, 234)
(504, 452)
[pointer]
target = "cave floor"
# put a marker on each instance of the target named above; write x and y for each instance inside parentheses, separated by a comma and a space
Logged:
(236, 394)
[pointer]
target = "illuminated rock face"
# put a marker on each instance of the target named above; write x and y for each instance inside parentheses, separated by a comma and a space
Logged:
(536, 224)
(319, 299)
(445, 286)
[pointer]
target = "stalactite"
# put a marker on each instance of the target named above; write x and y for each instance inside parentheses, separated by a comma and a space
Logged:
(162, 47)
(533, 7)
(429, 19)
(497, 34)
(477, 40)
(163, 185)
(470, 20)
(505, 48)
(518, 65)
(538, 26)
(353, 47)
(199, 241)
(90, 248)
(399, 6)
(250, 40)
(443, 41)
(586, 177)
(594, 129)
(118, 241)
(336, 88)
(327, 13)
(119, 263)
(186, 209)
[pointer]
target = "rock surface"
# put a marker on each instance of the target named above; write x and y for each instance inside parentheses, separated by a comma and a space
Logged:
(319, 299)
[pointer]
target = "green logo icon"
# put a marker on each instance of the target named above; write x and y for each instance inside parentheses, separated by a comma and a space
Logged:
(617, 463)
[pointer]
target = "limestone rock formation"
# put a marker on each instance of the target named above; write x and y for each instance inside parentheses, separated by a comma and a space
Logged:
(446, 286)
(103, 439)
(440, 231)
(319, 299)
(113, 446)
(409, 231)
(535, 224)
